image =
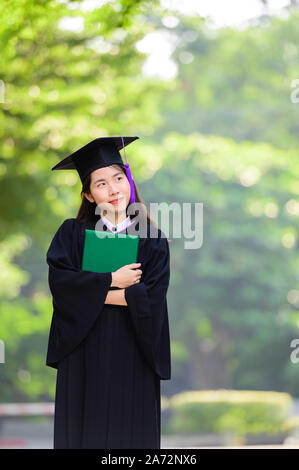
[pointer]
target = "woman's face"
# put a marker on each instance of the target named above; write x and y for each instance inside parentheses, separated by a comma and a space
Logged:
(107, 184)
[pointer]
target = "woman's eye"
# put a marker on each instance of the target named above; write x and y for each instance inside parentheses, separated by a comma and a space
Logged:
(104, 183)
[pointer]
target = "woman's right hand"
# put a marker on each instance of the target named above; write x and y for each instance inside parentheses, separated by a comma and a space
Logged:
(126, 275)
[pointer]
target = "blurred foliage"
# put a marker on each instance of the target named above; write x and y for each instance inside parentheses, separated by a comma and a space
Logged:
(59, 86)
(223, 132)
(241, 412)
(236, 83)
(233, 301)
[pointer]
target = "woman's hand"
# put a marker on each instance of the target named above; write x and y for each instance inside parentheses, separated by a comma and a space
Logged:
(126, 275)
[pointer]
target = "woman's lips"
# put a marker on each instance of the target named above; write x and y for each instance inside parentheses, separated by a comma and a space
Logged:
(116, 201)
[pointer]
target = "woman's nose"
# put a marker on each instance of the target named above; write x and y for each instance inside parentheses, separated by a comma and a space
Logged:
(112, 189)
(113, 192)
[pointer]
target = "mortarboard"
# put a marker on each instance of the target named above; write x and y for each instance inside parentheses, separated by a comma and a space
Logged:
(98, 153)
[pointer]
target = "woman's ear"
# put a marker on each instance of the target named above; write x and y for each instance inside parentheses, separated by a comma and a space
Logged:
(89, 197)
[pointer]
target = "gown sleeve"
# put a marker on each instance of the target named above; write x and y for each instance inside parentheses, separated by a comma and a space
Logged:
(147, 305)
(78, 296)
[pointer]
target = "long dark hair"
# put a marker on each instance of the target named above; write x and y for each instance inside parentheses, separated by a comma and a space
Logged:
(86, 212)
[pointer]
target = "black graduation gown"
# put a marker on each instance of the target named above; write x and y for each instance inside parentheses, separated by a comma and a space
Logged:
(109, 358)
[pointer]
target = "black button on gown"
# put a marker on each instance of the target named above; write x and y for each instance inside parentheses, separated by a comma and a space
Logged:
(109, 358)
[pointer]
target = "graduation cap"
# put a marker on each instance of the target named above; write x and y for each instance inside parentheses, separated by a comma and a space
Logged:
(98, 153)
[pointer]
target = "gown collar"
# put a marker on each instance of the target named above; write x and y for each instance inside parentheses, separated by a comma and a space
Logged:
(119, 227)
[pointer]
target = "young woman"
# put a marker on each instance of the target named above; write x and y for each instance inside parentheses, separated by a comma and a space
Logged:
(110, 347)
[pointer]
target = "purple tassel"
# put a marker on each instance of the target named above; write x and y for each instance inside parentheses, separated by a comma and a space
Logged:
(129, 176)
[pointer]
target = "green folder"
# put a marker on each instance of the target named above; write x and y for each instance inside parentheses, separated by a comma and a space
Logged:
(107, 251)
